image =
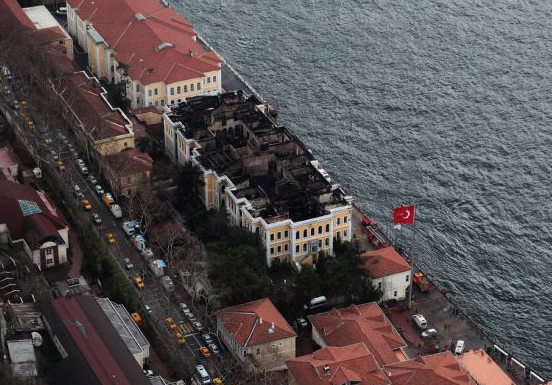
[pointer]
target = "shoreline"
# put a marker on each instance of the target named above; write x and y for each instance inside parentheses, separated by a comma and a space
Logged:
(232, 80)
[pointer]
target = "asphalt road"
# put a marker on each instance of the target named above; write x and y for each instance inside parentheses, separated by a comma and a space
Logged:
(58, 143)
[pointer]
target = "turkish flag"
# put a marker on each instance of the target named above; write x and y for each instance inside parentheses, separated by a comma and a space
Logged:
(404, 215)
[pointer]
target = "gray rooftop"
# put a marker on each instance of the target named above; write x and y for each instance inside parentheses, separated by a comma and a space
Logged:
(124, 325)
(22, 357)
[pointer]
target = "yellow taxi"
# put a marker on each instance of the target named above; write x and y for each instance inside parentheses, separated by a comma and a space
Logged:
(60, 165)
(205, 352)
(110, 238)
(87, 206)
(180, 338)
(139, 283)
(217, 381)
(137, 319)
(170, 323)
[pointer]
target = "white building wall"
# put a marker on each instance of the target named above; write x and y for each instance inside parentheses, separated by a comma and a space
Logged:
(393, 283)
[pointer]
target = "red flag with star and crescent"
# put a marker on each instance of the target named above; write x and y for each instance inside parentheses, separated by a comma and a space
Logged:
(404, 215)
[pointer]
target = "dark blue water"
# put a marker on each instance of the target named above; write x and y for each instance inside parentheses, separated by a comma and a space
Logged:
(442, 104)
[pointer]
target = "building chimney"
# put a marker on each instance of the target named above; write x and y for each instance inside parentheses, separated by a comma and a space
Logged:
(326, 370)
(261, 320)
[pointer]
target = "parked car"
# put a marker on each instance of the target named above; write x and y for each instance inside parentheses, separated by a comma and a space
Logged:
(420, 321)
(83, 170)
(190, 316)
(148, 309)
(302, 323)
(92, 179)
(76, 189)
(183, 307)
(197, 326)
(99, 189)
(207, 338)
(205, 352)
(429, 333)
(203, 375)
(148, 372)
(459, 348)
(215, 349)
(140, 285)
(60, 165)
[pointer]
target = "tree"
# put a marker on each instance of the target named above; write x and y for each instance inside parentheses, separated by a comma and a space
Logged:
(239, 268)
(187, 183)
(144, 207)
(171, 240)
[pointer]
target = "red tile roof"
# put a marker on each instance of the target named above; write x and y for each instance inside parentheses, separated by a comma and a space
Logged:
(34, 228)
(12, 15)
(250, 323)
(360, 323)
(14, 20)
(384, 262)
(348, 363)
(136, 42)
(87, 99)
(436, 369)
(130, 162)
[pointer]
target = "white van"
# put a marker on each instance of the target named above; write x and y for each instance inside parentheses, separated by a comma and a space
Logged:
(459, 348)
(203, 375)
(317, 302)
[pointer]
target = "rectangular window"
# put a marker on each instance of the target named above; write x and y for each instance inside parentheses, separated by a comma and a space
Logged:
(395, 293)
(156, 103)
(162, 102)
(172, 90)
(339, 235)
(344, 233)
(192, 87)
(185, 88)
(198, 86)
(271, 237)
(149, 92)
(344, 219)
(286, 234)
(208, 80)
(272, 250)
(49, 252)
(279, 249)
(149, 104)
(137, 87)
(304, 247)
(279, 235)
(407, 278)
(338, 221)
(214, 78)
(138, 101)
(286, 247)
(155, 91)
(49, 261)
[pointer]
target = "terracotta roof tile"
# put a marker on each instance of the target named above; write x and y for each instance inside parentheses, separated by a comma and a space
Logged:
(250, 323)
(436, 369)
(129, 162)
(86, 98)
(116, 22)
(385, 262)
(360, 323)
(349, 363)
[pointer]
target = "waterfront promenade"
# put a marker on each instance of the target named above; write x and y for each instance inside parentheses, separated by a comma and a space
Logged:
(438, 308)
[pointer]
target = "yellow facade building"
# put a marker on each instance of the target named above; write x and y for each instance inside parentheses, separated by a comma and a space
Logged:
(123, 43)
(261, 174)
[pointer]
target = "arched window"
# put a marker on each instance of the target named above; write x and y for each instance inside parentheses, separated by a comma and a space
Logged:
(297, 235)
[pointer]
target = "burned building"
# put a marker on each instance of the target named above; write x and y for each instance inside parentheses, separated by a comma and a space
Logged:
(261, 173)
